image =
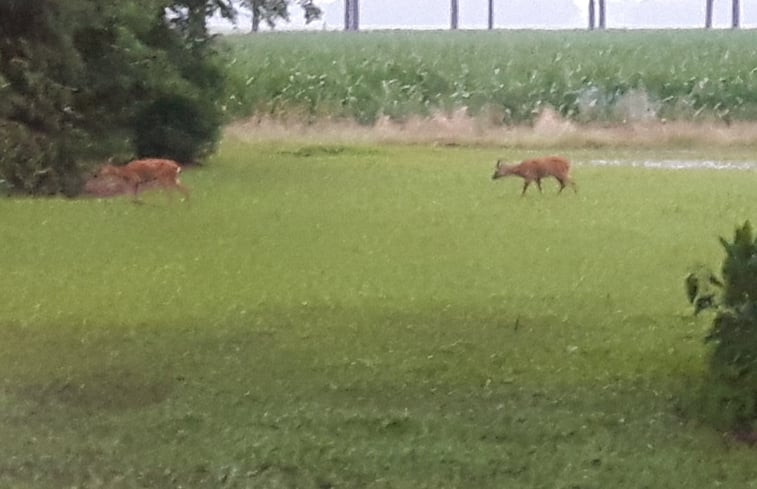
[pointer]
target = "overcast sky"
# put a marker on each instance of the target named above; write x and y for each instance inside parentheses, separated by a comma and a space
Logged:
(551, 14)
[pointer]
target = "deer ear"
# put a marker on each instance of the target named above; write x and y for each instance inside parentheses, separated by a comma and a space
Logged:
(499, 163)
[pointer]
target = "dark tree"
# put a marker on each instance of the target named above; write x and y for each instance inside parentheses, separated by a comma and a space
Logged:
(255, 13)
(79, 77)
(271, 11)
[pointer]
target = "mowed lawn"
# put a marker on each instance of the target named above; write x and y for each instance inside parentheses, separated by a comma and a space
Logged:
(366, 316)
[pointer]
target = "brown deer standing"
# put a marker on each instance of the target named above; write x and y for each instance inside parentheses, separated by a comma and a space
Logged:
(536, 169)
(139, 174)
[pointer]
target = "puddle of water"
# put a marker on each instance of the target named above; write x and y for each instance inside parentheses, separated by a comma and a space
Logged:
(679, 164)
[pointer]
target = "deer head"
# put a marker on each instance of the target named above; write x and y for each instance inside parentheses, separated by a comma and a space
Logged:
(501, 170)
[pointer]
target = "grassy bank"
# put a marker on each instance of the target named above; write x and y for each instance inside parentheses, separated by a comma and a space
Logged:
(365, 316)
(502, 76)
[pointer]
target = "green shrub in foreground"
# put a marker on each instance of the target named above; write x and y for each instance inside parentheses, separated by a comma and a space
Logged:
(731, 400)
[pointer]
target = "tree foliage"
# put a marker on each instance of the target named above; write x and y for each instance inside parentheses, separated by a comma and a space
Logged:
(732, 399)
(271, 11)
(81, 79)
(38, 68)
(176, 126)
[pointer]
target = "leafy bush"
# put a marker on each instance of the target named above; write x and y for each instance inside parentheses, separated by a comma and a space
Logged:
(37, 127)
(731, 401)
(34, 163)
(178, 128)
(82, 80)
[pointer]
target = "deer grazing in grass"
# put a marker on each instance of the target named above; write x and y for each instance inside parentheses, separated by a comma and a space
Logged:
(536, 169)
(146, 173)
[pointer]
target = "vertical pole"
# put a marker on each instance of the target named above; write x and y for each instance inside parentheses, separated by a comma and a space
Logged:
(708, 15)
(491, 14)
(355, 15)
(735, 14)
(602, 24)
(453, 14)
(347, 16)
(592, 15)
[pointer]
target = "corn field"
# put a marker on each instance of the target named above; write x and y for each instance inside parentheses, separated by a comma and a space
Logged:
(506, 76)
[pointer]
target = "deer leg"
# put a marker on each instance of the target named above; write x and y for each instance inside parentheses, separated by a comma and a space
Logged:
(135, 194)
(562, 184)
(184, 190)
(525, 186)
(538, 184)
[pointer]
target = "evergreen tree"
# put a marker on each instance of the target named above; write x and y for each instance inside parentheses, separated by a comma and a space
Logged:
(39, 68)
(83, 79)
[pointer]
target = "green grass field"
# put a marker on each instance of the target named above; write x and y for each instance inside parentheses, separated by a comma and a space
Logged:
(505, 76)
(366, 316)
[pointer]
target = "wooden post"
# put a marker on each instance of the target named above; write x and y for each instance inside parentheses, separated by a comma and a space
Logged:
(491, 14)
(347, 15)
(602, 24)
(355, 15)
(453, 14)
(592, 15)
(708, 15)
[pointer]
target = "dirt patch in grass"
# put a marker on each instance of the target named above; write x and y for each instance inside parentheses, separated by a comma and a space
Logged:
(549, 130)
(109, 390)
